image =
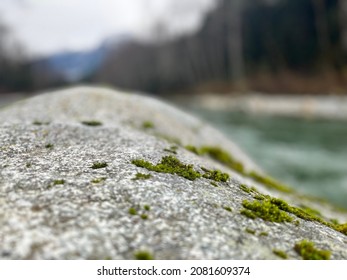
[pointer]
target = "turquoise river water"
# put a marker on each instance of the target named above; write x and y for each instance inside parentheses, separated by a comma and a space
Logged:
(309, 155)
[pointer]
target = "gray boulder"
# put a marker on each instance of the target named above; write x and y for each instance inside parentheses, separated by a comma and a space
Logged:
(92, 173)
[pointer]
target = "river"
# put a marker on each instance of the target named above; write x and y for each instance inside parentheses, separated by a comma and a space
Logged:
(309, 155)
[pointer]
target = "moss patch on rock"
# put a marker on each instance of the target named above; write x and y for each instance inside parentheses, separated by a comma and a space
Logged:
(342, 228)
(98, 165)
(192, 149)
(305, 213)
(228, 160)
(132, 211)
(40, 123)
(144, 216)
(171, 165)
(300, 213)
(91, 123)
(58, 182)
(265, 210)
(172, 149)
(250, 190)
(227, 208)
(143, 255)
(250, 231)
(49, 146)
(269, 182)
(98, 180)
(219, 155)
(141, 176)
(280, 254)
(215, 175)
(307, 251)
(147, 207)
(147, 125)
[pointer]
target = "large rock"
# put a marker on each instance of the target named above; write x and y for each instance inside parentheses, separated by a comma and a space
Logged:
(67, 188)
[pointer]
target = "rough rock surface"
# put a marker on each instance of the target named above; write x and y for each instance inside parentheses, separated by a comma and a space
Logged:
(54, 205)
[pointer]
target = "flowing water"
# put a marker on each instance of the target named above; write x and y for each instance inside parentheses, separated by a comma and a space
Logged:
(309, 155)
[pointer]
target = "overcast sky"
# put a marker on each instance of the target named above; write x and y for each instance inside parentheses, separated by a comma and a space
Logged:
(48, 26)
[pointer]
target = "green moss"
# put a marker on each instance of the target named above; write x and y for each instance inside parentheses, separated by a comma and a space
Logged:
(216, 175)
(171, 165)
(49, 146)
(132, 211)
(147, 207)
(223, 157)
(40, 123)
(193, 149)
(147, 125)
(214, 184)
(265, 210)
(216, 153)
(92, 123)
(98, 165)
(227, 208)
(141, 176)
(311, 211)
(219, 155)
(264, 233)
(143, 255)
(58, 182)
(335, 221)
(245, 188)
(172, 149)
(254, 192)
(250, 231)
(306, 213)
(280, 254)
(300, 213)
(307, 251)
(269, 182)
(98, 180)
(342, 228)
(249, 190)
(259, 196)
(144, 216)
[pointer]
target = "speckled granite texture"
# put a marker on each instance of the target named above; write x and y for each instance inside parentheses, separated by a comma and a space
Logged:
(54, 205)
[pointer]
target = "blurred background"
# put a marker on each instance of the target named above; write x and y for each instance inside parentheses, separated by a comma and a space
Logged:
(271, 74)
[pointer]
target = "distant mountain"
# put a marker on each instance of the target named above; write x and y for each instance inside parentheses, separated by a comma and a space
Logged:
(74, 66)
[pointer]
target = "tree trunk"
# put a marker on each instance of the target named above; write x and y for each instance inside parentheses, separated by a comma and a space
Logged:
(233, 17)
(342, 8)
(322, 30)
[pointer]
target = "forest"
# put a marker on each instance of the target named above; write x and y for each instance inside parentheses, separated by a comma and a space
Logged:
(275, 46)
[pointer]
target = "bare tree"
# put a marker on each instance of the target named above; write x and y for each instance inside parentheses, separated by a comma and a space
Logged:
(322, 30)
(15, 72)
(233, 17)
(342, 8)
(3, 37)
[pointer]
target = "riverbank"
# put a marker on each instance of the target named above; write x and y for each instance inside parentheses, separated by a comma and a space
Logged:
(306, 106)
